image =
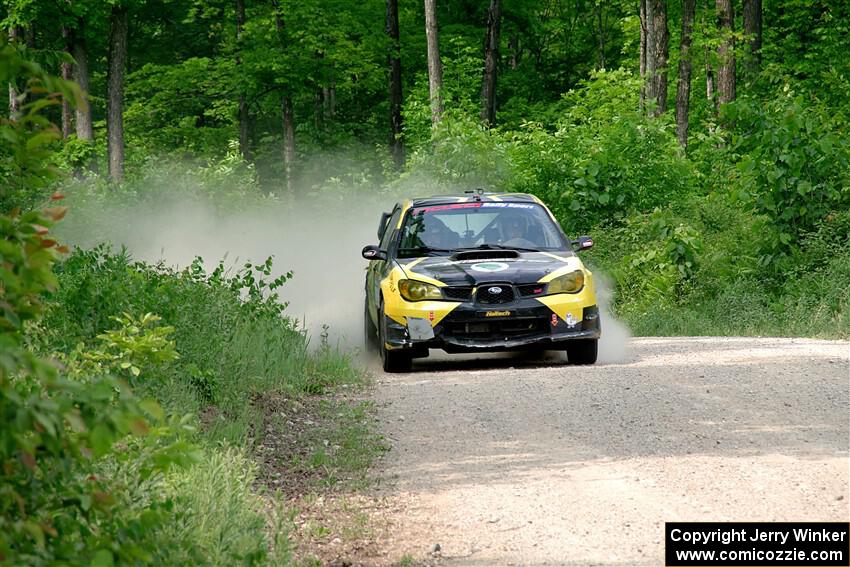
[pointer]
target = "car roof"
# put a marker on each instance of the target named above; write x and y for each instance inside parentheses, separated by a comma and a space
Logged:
(471, 197)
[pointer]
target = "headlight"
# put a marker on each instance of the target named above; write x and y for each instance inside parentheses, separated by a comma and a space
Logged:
(568, 283)
(413, 290)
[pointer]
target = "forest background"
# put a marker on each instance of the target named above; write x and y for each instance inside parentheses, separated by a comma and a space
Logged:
(702, 144)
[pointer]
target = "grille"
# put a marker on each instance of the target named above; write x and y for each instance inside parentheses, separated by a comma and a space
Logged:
(530, 290)
(486, 296)
(458, 293)
(495, 329)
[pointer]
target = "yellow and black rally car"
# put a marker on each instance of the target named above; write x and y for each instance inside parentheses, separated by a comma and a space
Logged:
(481, 272)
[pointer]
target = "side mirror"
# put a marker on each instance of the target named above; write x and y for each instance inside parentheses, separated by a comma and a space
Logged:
(373, 252)
(583, 243)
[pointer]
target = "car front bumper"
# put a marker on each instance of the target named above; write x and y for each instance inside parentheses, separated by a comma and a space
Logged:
(523, 325)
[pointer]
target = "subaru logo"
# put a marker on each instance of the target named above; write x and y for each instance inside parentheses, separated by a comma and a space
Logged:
(494, 290)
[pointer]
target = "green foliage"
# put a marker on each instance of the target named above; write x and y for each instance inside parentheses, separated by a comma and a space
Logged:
(53, 505)
(137, 341)
(604, 160)
(27, 138)
(181, 106)
(795, 167)
(463, 153)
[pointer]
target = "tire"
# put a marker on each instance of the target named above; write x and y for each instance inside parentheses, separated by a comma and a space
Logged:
(583, 351)
(393, 361)
(370, 333)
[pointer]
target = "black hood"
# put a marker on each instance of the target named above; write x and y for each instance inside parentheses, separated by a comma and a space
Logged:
(510, 266)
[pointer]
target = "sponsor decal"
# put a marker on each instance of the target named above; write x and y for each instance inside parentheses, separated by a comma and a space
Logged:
(490, 205)
(489, 267)
(497, 314)
(571, 321)
(554, 320)
(430, 315)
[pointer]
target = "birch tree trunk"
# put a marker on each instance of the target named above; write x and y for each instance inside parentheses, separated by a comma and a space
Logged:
(491, 63)
(683, 92)
(115, 92)
(435, 66)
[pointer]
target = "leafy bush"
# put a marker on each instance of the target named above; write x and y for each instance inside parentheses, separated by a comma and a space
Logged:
(795, 168)
(604, 160)
(463, 154)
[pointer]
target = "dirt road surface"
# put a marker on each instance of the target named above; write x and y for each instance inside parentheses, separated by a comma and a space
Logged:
(508, 461)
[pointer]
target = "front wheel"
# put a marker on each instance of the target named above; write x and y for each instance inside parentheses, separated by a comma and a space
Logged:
(583, 351)
(391, 360)
(370, 334)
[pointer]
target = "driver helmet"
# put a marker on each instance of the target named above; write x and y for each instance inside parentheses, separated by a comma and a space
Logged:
(513, 226)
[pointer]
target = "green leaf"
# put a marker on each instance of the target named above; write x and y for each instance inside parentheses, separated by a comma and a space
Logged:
(101, 438)
(103, 558)
(153, 408)
(36, 532)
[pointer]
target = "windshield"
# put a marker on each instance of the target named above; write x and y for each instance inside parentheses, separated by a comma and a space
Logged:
(446, 228)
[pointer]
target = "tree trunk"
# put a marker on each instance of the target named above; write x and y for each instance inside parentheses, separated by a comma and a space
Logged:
(683, 93)
(67, 74)
(115, 92)
(710, 85)
(16, 34)
(643, 32)
(726, 52)
(244, 117)
(286, 111)
(491, 63)
(85, 130)
(752, 30)
(329, 103)
(288, 139)
(513, 47)
(435, 66)
(600, 35)
(394, 62)
(319, 109)
(657, 46)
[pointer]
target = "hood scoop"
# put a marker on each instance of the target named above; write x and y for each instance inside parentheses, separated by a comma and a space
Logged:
(486, 255)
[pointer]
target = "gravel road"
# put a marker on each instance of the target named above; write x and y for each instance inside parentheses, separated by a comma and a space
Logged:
(508, 460)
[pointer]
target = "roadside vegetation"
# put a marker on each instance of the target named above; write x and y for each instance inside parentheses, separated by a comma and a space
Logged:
(135, 397)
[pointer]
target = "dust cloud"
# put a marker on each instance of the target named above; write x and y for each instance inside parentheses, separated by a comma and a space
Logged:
(319, 241)
(614, 344)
